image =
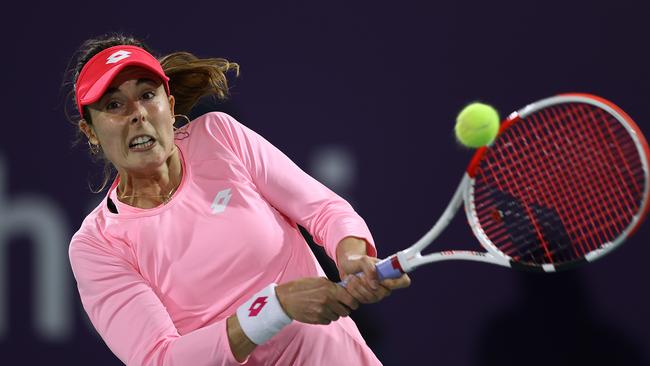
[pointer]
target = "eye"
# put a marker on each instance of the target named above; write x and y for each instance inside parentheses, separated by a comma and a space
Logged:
(112, 105)
(148, 95)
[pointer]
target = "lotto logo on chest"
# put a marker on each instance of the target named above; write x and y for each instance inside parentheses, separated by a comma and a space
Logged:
(220, 201)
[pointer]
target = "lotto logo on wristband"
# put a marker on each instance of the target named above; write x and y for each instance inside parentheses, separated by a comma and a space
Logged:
(260, 325)
(257, 306)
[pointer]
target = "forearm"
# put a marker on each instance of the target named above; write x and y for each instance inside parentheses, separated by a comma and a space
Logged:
(240, 345)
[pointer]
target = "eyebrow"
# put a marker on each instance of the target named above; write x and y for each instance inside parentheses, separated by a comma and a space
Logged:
(112, 90)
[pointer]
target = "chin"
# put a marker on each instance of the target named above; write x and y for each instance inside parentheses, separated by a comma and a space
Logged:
(149, 162)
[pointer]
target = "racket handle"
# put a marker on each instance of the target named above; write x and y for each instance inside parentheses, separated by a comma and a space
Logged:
(389, 268)
(386, 268)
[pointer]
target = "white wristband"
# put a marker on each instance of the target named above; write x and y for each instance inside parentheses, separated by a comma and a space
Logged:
(261, 317)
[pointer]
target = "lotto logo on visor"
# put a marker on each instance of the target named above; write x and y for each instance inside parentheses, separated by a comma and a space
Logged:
(98, 73)
(117, 56)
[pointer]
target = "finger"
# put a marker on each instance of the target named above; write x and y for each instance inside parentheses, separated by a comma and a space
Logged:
(357, 290)
(383, 291)
(339, 308)
(343, 295)
(320, 314)
(360, 290)
(327, 314)
(375, 295)
(396, 283)
(370, 273)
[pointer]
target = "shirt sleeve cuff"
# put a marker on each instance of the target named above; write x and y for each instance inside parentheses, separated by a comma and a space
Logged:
(345, 229)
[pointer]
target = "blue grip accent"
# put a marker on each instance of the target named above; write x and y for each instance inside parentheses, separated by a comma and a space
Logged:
(386, 270)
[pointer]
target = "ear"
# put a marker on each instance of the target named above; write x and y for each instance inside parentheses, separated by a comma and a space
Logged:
(88, 130)
(172, 102)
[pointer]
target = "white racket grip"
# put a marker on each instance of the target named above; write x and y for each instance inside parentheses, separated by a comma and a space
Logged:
(262, 316)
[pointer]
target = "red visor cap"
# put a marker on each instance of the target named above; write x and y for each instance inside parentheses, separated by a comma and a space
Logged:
(98, 73)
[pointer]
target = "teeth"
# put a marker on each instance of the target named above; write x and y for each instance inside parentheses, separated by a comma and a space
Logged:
(143, 145)
(142, 141)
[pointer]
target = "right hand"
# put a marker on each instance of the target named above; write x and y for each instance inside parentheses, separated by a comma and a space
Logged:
(315, 300)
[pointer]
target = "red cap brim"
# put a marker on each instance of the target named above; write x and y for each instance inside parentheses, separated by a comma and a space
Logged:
(98, 73)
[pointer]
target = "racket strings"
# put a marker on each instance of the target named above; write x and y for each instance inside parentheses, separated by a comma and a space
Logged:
(559, 184)
(587, 190)
(609, 191)
(627, 174)
(528, 246)
(622, 193)
(520, 230)
(585, 187)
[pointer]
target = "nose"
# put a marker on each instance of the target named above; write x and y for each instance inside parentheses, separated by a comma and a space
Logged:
(139, 113)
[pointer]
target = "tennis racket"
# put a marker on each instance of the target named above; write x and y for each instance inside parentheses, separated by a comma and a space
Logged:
(565, 182)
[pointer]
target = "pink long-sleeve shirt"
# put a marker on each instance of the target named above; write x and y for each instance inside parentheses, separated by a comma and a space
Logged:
(158, 284)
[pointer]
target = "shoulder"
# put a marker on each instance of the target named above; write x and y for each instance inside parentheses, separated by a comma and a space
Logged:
(211, 133)
(90, 228)
(94, 235)
(213, 122)
(212, 126)
(93, 220)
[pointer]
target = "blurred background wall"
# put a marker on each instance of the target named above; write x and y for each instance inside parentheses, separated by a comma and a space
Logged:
(363, 96)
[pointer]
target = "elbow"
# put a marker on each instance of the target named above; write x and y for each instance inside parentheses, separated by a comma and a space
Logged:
(157, 355)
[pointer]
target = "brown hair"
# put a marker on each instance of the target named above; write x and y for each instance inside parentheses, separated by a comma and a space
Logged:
(190, 78)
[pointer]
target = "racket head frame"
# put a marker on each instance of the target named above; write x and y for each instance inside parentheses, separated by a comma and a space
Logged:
(633, 131)
(411, 258)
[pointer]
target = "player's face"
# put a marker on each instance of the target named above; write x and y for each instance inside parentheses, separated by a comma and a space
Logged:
(133, 122)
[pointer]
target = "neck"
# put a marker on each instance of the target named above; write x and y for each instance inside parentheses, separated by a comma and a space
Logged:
(151, 188)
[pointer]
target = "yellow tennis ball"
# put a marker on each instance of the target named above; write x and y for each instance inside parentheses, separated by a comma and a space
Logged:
(477, 125)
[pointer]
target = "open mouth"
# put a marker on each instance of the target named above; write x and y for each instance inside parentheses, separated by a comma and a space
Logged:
(141, 142)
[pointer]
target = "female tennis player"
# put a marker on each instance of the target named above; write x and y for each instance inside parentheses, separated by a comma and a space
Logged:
(194, 256)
